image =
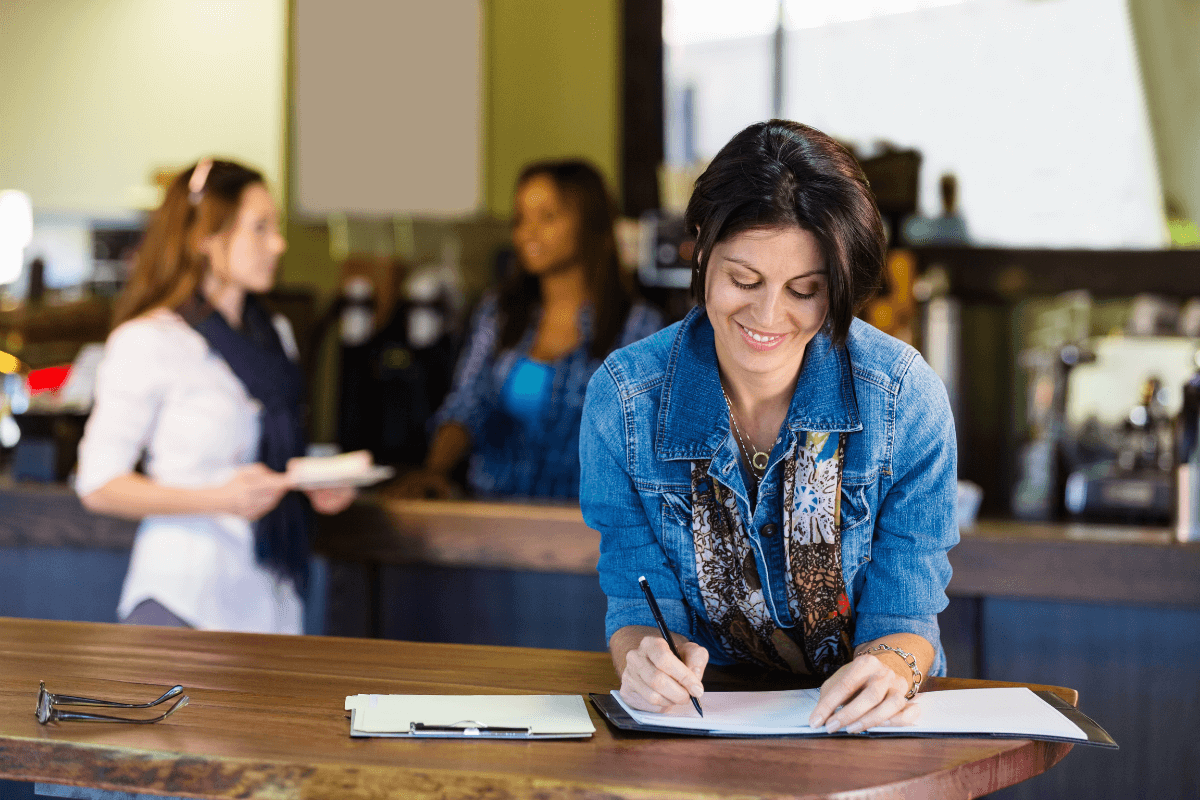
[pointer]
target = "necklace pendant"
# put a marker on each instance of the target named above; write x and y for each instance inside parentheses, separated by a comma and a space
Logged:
(760, 455)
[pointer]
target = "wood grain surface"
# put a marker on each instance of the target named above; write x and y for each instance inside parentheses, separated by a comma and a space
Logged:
(266, 720)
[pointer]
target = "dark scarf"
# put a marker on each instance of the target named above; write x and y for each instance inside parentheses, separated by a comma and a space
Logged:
(257, 358)
(728, 576)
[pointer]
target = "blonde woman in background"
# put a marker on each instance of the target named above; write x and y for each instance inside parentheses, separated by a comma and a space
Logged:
(199, 384)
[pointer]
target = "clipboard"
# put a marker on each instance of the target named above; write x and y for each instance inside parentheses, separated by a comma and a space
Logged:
(479, 716)
(1088, 732)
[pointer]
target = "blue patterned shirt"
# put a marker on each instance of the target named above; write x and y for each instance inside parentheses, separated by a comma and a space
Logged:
(509, 456)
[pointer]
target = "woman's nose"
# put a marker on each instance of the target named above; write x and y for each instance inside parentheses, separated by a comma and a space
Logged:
(768, 310)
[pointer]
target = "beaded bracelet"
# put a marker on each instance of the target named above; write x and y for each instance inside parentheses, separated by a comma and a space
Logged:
(909, 659)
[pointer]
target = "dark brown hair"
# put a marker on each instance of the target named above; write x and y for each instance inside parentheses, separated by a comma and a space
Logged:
(169, 266)
(781, 173)
(582, 187)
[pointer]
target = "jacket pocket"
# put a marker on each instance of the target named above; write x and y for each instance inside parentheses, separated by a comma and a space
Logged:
(856, 524)
(675, 536)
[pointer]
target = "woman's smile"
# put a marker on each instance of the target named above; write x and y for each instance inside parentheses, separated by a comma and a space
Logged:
(759, 340)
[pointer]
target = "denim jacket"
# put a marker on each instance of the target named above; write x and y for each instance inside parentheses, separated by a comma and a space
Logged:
(656, 406)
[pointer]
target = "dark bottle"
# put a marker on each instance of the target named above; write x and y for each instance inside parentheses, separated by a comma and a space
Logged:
(1187, 495)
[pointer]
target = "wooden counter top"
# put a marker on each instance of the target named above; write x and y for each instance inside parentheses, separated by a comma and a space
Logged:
(1073, 562)
(266, 720)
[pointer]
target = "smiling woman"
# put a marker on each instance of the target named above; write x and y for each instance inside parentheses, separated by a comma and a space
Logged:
(782, 473)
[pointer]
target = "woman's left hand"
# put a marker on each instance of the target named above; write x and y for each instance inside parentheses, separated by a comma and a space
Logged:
(869, 693)
(333, 500)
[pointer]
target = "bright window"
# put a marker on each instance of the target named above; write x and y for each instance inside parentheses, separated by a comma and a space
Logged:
(1036, 106)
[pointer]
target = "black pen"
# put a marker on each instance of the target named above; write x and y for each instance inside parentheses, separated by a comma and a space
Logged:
(662, 628)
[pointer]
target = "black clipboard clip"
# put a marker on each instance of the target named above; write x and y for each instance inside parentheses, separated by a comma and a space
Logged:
(466, 727)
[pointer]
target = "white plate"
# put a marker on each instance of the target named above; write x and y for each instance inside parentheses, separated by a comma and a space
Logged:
(375, 474)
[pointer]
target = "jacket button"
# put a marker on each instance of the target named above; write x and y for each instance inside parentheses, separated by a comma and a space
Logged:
(769, 529)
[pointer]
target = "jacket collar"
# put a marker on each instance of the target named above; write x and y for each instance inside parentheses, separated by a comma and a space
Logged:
(693, 421)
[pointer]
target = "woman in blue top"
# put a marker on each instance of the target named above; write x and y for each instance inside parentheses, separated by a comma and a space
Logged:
(782, 473)
(533, 345)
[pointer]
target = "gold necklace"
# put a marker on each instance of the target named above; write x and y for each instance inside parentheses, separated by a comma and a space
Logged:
(755, 466)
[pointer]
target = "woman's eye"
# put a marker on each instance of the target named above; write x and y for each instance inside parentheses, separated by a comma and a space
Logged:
(802, 295)
(740, 285)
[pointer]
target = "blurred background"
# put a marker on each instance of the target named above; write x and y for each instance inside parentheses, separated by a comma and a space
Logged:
(1037, 163)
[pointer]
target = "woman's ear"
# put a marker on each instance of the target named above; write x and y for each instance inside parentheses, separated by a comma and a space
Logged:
(207, 245)
(212, 249)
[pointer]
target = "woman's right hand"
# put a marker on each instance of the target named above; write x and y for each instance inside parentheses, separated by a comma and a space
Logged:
(654, 679)
(423, 484)
(253, 491)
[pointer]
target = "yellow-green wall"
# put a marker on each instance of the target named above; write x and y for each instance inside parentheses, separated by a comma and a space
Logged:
(552, 88)
(95, 97)
(101, 100)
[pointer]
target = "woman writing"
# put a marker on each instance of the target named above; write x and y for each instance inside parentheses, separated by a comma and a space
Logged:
(518, 390)
(782, 473)
(198, 382)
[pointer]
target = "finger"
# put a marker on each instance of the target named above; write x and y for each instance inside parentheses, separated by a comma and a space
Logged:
(881, 697)
(642, 688)
(892, 704)
(906, 716)
(268, 482)
(669, 666)
(669, 686)
(695, 658)
(838, 689)
(635, 699)
(661, 688)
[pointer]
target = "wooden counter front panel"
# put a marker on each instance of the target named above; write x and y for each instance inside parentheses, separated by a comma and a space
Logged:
(995, 558)
(464, 534)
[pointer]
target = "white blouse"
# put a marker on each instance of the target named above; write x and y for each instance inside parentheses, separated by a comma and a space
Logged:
(161, 392)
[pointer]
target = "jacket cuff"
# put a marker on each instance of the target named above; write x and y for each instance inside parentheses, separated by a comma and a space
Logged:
(625, 611)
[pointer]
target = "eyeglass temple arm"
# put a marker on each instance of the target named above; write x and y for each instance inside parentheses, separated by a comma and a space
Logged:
(56, 715)
(71, 700)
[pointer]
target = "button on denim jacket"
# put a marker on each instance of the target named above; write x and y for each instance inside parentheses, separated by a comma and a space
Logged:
(655, 406)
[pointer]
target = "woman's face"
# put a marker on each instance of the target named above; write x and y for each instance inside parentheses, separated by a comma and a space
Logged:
(248, 254)
(545, 227)
(767, 294)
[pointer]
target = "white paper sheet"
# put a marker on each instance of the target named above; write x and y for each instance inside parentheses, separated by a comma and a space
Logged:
(1015, 710)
